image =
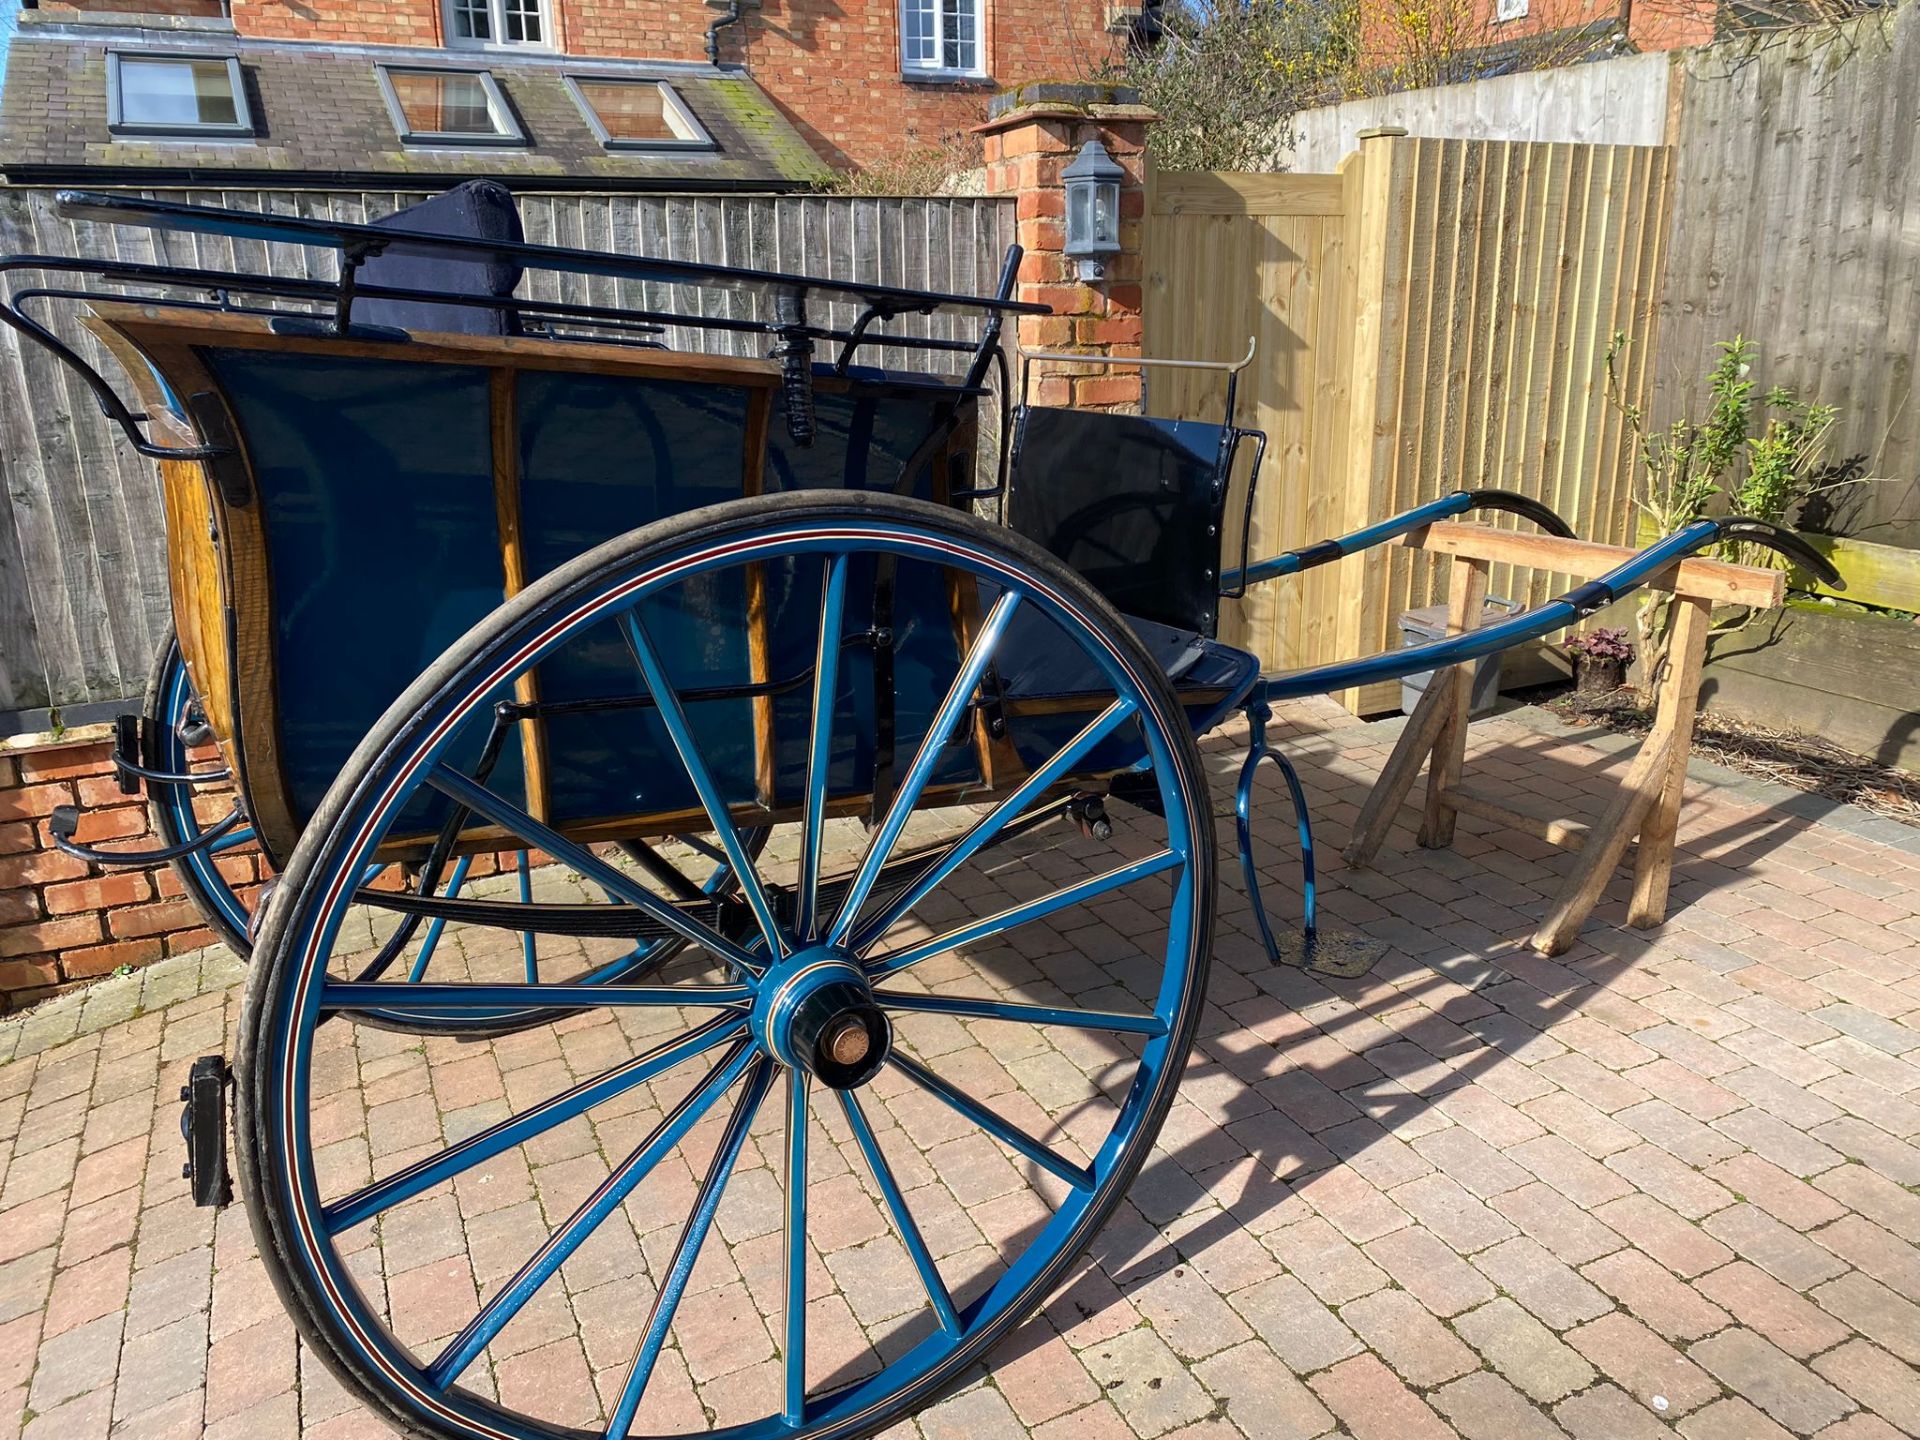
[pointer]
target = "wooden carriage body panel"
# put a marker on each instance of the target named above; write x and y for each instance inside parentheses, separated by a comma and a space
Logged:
(386, 496)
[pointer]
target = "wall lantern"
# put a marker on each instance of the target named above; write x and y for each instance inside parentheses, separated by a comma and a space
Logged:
(1093, 209)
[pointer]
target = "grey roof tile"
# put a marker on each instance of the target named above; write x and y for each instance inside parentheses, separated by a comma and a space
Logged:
(318, 110)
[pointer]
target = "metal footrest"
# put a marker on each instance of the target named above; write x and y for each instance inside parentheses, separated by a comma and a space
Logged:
(203, 1125)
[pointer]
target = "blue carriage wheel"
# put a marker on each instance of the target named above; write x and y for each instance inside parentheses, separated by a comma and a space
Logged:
(817, 998)
(174, 718)
(172, 713)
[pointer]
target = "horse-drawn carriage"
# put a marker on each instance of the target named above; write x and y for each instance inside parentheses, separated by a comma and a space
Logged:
(632, 728)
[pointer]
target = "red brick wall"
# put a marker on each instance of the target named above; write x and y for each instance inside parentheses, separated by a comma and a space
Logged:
(61, 920)
(832, 65)
(64, 922)
(1026, 153)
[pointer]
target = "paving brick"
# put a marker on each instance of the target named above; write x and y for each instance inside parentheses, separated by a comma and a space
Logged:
(1543, 1284)
(76, 1361)
(1300, 1330)
(1783, 1253)
(1758, 1371)
(1557, 1223)
(1731, 1419)
(1642, 1364)
(1262, 1397)
(1578, 1176)
(1332, 1268)
(1524, 1351)
(1374, 1405)
(1444, 1207)
(1875, 1311)
(1606, 1413)
(1146, 1383)
(1655, 1296)
(1482, 1406)
(1793, 1202)
(1876, 1197)
(1188, 1314)
(1871, 1377)
(1429, 1270)
(1672, 1182)
(1680, 1246)
(1421, 1350)
(1871, 1146)
(1763, 1304)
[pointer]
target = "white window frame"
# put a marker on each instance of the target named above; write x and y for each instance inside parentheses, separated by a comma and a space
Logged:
(497, 24)
(1509, 9)
(502, 113)
(912, 71)
(693, 135)
(117, 124)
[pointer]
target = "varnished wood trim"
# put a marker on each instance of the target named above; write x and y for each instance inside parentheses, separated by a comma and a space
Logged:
(504, 427)
(149, 326)
(753, 463)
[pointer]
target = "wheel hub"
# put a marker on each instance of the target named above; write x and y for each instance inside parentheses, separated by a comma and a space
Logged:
(815, 1010)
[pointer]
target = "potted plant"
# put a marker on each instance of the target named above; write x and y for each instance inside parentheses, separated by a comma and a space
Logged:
(1600, 661)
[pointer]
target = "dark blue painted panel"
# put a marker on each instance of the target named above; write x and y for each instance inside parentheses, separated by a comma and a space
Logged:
(376, 494)
(601, 455)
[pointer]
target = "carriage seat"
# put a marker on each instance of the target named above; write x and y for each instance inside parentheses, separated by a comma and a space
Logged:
(1136, 505)
(474, 210)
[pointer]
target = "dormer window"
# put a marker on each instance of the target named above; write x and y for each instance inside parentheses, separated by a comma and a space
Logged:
(637, 114)
(185, 95)
(447, 107)
(499, 24)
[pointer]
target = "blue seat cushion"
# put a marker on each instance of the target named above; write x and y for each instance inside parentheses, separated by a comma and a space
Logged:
(1042, 675)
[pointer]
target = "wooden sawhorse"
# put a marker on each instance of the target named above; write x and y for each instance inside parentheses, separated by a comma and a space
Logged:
(1647, 806)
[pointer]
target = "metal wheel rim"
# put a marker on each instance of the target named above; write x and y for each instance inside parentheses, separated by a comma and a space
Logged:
(286, 1045)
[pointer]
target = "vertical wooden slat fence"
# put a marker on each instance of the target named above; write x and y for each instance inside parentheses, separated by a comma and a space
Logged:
(1796, 223)
(1433, 318)
(83, 586)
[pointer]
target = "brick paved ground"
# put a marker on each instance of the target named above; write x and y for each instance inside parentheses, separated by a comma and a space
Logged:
(1666, 1183)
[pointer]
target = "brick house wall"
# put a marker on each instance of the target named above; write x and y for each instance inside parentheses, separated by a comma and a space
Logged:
(833, 66)
(1549, 26)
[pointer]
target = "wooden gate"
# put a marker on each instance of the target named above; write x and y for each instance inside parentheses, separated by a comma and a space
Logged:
(1434, 317)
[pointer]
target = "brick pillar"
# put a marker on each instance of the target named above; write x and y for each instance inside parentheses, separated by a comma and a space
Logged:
(1032, 136)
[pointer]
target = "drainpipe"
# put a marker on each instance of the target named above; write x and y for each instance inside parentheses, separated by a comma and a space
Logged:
(731, 17)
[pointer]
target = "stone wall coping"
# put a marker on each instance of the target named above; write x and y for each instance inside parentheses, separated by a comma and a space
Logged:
(49, 740)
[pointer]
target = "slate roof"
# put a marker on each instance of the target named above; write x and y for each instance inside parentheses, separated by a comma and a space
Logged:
(320, 117)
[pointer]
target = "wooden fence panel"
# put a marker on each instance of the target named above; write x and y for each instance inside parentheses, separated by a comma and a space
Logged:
(1234, 257)
(83, 584)
(1796, 223)
(1445, 330)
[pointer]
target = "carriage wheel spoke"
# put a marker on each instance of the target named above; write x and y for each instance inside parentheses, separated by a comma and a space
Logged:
(795, 1307)
(429, 998)
(431, 941)
(1031, 1014)
(477, 1149)
(1003, 1130)
(512, 818)
(508, 1301)
(686, 1253)
(674, 716)
(826, 689)
(1024, 914)
(529, 955)
(996, 820)
(932, 746)
(910, 1236)
(232, 840)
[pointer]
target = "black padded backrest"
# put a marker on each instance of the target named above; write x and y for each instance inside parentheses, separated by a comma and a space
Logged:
(475, 210)
(1133, 503)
